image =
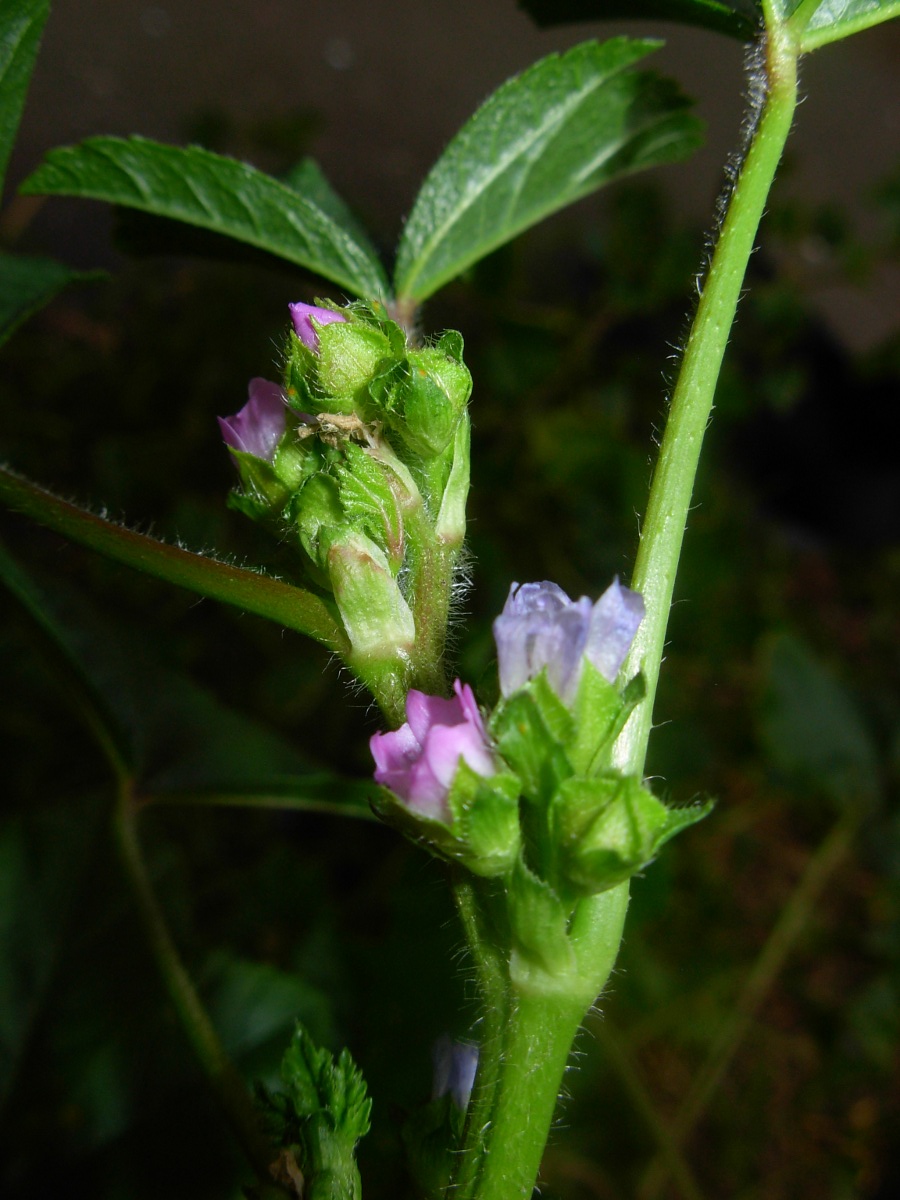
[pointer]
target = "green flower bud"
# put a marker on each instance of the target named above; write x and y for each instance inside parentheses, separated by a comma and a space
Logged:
(349, 353)
(430, 400)
(610, 827)
(378, 620)
(370, 502)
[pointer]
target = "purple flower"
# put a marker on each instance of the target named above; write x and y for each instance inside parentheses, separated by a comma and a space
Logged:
(259, 426)
(419, 760)
(540, 628)
(303, 326)
(455, 1064)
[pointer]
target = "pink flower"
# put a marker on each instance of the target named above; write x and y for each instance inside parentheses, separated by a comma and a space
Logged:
(259, 426)
(419, 760)
(303, 326)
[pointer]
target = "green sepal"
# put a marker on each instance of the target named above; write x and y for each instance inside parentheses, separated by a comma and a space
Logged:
(539, 925)
(375, 313)
(318, 514)
(482, 832)
(263, 493)
(431, 1137)
(375, 614)
(531, 729)
(450, 524)
(610, 827)
(349, 355)
(295, 461)
(451, 343)
(486, 819)
(300, 365)
(431, 400)
(369, 501)
(599, 713)
(320, 1115)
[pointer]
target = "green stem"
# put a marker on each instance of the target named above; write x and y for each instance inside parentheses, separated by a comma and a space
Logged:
(531, 1022)
(493, 989)
(673, 480)
(538, 1038)
(224, 1079)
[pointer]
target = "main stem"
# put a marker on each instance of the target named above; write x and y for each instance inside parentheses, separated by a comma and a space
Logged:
(524, 1062)
(530, 1023)
(673, 480)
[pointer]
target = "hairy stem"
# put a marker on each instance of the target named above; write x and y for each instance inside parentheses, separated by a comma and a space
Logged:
(673, 480)
(530, 1024)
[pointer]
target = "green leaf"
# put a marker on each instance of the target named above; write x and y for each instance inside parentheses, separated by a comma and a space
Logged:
(249, 590)
(740, 18)
(833, 20)
(811, 726)
(214, 193)
(27, 284)
(321, 1115)
(21, 25)
(559, 131)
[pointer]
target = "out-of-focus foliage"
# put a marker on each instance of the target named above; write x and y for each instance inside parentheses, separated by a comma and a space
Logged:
(112, 396)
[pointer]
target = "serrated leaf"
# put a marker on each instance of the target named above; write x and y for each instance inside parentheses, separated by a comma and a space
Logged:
(834, 20)
(27, 284)
(172, 737)
(214, 193)
(21, 25)
(326, 1110)
(739, 18)
(559, 131)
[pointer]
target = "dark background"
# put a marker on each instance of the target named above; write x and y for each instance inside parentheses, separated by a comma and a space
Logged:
(780, 694)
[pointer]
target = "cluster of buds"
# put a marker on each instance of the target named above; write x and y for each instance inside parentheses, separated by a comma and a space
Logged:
(529, 795)
(360, 459)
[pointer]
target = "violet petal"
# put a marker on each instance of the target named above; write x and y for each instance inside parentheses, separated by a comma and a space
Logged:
(259, 426)
(301, 315)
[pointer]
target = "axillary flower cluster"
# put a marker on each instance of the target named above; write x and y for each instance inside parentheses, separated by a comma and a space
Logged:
(359, 460)
(528, 795)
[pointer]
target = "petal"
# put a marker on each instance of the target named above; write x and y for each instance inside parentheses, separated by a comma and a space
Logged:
(469, 706)
(423, 711)
(427, 793)
(302, 316)
(259, 426)
(394, 751)
(614, 622)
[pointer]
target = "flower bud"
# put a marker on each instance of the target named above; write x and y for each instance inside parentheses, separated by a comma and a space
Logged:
(378, 620)
(419, 760)
(431, 400)
(303, 316)
(541, 629)
(259, 426)
(455, 1064)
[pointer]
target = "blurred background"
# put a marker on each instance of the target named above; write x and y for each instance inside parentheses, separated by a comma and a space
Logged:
(755, 1014)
